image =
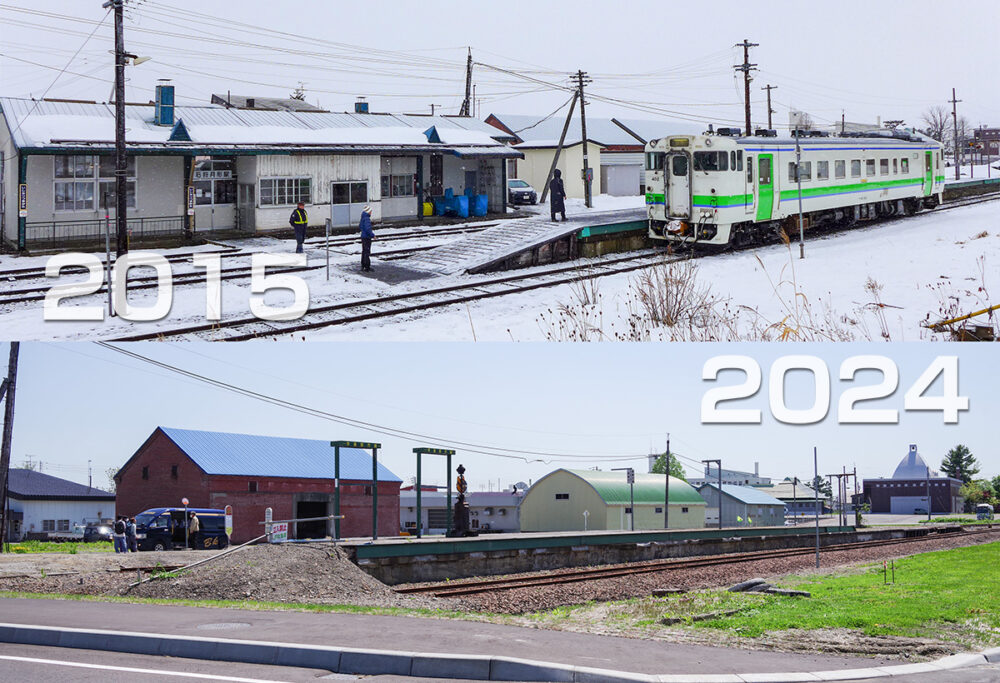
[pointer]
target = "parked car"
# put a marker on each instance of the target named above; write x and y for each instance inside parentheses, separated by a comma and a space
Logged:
(520, 192)
(163, 529)
(97, 532)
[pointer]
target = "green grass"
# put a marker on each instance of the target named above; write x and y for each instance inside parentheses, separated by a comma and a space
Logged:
(953, 590)
(958, 520)
(68, 547)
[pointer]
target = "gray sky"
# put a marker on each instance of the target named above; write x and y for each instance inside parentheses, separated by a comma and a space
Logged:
(79, 401)
(870, 57)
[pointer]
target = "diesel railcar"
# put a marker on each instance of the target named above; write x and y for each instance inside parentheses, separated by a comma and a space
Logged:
(722, 189)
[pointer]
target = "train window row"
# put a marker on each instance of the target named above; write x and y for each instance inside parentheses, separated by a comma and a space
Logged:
(840, 168)
(718, 161)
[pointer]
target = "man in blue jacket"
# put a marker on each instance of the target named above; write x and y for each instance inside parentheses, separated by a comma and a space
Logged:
(299, 220)
(367, 235)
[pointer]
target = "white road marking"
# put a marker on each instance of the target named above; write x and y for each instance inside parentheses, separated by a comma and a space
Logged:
(130, 669)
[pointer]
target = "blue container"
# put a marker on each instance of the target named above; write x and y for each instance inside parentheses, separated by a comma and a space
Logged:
(480, 205)
(461, 205)
(449, 193)
(439, 205)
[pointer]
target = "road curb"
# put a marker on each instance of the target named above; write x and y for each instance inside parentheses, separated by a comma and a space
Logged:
(375, 662)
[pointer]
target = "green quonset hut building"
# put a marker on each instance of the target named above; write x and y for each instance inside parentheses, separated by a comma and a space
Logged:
(557, 502)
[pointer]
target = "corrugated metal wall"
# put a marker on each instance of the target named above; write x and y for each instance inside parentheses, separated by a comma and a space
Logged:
(324, 169)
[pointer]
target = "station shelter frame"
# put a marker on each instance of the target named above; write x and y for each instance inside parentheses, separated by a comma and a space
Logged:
(433, 451)
(373, 447)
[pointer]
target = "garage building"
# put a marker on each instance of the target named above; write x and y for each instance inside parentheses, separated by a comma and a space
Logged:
(39, 504)
(591, 500)
(742, 506)
(906, 492)
(294, 477)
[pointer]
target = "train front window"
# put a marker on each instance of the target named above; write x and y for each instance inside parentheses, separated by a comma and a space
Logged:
(679, 165)
(711, 161)
(654, 161)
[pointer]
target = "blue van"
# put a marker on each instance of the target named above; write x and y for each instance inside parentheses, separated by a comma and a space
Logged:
(163, 529)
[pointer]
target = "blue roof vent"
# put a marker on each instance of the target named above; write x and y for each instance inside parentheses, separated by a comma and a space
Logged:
(179, 133)
(432, 134)
(164, 113)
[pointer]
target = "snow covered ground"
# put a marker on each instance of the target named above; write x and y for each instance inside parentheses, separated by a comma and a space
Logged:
(976, 172)
(926, 266)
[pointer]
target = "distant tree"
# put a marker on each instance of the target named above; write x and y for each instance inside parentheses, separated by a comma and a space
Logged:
(996, 487)
(676, 469)
(960, 464)
(976, 492)
(110, 473)
(299, 93)
(823, 486)
(937, 120)
(28, 465)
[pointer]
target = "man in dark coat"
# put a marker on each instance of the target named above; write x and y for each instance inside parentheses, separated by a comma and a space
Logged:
(299, 220)
(367, 235)
(557, 196)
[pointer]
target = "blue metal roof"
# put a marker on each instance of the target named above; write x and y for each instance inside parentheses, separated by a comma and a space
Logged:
(28, 484)
(273, 456)
(745, 494)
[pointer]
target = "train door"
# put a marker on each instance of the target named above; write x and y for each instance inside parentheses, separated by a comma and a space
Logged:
(928, 173)
(678, 176)
(748, 190)
(765, 185)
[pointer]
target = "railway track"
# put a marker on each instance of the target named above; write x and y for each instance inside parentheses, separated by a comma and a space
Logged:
(398, 237)
(36, 272)
(453, 589)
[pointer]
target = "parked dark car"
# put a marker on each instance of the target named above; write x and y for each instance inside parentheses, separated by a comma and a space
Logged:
(97, 532)
(163, 529)
(520, 192)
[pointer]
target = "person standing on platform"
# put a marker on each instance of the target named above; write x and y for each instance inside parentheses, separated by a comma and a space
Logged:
(131, 543)
(557, 196)
(299, 220)
(118, 535)
(367, 235)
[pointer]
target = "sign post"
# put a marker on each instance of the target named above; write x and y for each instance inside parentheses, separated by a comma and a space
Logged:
(187, 521)
(373, 447)
(432, 451)
(229, 522)
(268, 516)
(586, 514)
(279, 532)
(22, 200)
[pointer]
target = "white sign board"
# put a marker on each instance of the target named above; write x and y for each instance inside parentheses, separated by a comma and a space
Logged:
(279, 532)
(213, 175)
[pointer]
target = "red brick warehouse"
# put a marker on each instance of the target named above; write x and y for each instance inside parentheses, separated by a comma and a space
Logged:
(294, 477)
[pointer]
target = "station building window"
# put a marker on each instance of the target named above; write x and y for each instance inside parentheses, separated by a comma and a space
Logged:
(349, 193)
(82, 181)
(62, 525)
(252, 487)
(659, 511)
(684, 511)
(145, 471)
(48, 525)
(285, 191)
(399, 185)
(855, 168)
(839, 169)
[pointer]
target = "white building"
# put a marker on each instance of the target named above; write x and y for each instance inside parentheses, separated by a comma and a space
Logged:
(195, 169)
(494, 511)
(40, 503)
(732, 477)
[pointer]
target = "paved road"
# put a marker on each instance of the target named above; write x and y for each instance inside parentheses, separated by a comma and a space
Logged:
(418, 635)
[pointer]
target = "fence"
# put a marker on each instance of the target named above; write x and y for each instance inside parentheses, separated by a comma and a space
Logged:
(91, 232)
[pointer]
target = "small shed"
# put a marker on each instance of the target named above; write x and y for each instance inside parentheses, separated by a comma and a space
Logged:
(742, 506)
(584, 500)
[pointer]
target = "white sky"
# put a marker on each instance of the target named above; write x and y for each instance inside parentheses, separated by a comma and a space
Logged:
(868, 57)
(79, 401)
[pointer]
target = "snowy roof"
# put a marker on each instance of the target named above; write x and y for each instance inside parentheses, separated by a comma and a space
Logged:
(264, 103)
(48, 124)
(545, 144)
(744, 494)
(603, 131)
(272, 456)
(26, 484)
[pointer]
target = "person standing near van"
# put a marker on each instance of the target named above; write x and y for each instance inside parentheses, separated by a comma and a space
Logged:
(194, 526)
(130, 540)
(367, 235)
(299, 220)
(118, 535)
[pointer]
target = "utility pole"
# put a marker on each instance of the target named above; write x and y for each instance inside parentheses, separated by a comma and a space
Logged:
(8, 430)
(121, 163)
(816, 482)
(843, 123)
(954, 118)
(770, 111)
(746, 67)
(467, 103)
(718, 464)
(581, 80)
(666, 487)
(562, 139)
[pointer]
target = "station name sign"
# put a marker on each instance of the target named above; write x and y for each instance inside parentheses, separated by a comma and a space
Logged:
(213, 175)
